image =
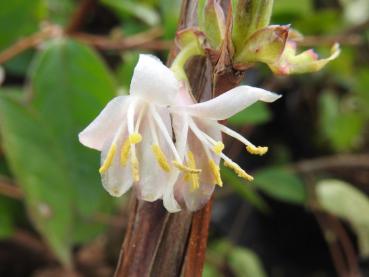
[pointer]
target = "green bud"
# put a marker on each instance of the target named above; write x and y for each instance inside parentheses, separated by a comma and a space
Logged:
(265, 45)
(248, 17)
(211, 21)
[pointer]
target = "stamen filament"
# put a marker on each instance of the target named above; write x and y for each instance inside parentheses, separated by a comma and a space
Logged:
(165, 133)
(193, 178)
(236, 168)
(215, 170)
(185, 168)
(160, 157)
(251, 148)
(109, 158)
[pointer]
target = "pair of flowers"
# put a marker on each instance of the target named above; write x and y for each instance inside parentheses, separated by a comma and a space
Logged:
(162, 143)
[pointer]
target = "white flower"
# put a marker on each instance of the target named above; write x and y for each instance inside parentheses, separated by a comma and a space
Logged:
(199, 143)
(134, 133)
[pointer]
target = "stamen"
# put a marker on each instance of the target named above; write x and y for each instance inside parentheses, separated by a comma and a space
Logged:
(218, 147)
(135, 167)
(164, 132)
(194, 178)
(135, 138)
(259, 150)
(160, 157)
(126, 147)
(215, 170)
(124, 153)
(238, 170)
(109, 158)
(185, 168)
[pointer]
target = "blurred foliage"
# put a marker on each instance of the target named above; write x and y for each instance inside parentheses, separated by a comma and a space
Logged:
(52, 92)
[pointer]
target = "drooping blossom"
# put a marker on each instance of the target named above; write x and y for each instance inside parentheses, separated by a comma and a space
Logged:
(199, 143)
(134, 133)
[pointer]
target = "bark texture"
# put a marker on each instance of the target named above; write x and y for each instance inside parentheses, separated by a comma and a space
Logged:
(157, 243)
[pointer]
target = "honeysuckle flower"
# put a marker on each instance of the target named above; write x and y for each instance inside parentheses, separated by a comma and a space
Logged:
(134, 133)
(199, 143)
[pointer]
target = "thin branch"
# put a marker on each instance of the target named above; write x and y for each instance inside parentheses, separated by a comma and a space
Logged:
(348, 39)
(9, 189)
(79, 15)
(29, 42)
(334, 162)
(143, 41)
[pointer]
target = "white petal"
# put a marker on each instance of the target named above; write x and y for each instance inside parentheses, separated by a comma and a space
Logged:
(153, 81)
(117, 179)
(103, 128)
(196, 199)
(229, 103)
(169, 201)
(153, 179)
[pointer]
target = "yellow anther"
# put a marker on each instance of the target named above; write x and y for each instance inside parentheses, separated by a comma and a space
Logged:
(218, 147)
(135, 169)
(135, 138)
(126, 147)
(193, 178)
(124, 153)
(216, 173)
(239, 171)
(257, 150)
(185, 168)
(160, 157)
(109, 159)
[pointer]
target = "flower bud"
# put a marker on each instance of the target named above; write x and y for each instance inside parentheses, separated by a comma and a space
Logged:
(265, 45)
(248, 17)
(211, 21)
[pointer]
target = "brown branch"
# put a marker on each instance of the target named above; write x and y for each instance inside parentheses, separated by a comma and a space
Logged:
(349, 39)
(145, 40)
(334, 162)
(9, 189)
(28, 42)
(79, 15)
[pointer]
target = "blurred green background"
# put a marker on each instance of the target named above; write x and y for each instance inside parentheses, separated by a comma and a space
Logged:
(306, 213)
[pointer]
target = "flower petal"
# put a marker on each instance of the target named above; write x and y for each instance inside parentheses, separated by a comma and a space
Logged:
(103, 128)
(305, 62)
(228, 103)
(117, 179)
(154, 81)
(169, 201)
(153, 179)
(185, 194)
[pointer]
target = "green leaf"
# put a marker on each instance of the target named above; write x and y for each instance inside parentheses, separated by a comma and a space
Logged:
(245, 263)
(170, 14)
(345, 201)
(60, 11)
(246, 191)
(19, 18)
(257, 113)
(133, 8)
(342, 127)
(59, 176)
(281, 184)
(210, 271)
(9, 212)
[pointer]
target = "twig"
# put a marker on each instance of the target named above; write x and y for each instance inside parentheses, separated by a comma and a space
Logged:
(9, 189)
(143, 41)
(79, 15)
(332, 162)
(146, 40)
(349, 39)
(29, 42)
